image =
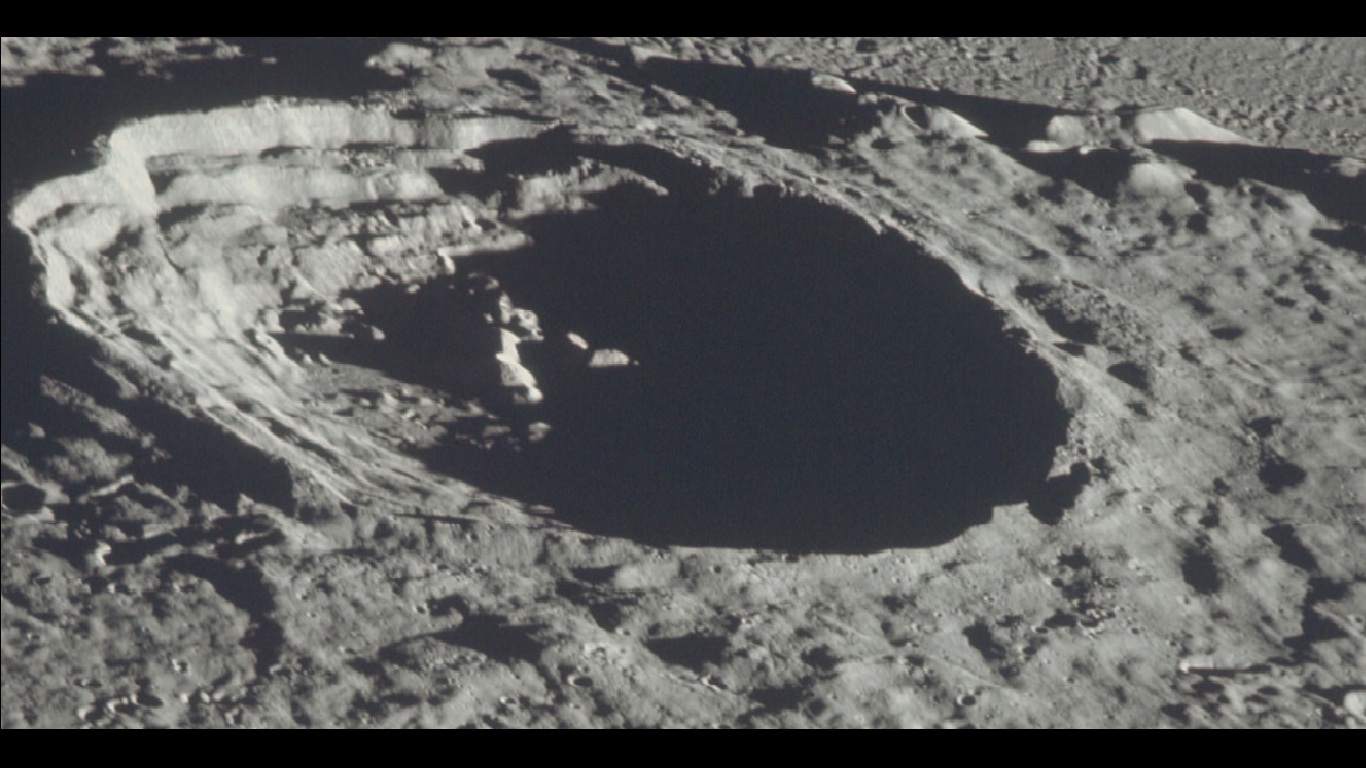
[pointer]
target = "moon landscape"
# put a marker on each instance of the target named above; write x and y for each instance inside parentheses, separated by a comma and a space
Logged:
(684, 382)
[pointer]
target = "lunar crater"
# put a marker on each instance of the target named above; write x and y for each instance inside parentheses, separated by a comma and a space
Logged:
(506, 382)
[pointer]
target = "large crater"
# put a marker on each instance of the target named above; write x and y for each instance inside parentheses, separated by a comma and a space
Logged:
(797, 379)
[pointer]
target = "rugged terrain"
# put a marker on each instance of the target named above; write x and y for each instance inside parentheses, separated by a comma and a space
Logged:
(684, 382)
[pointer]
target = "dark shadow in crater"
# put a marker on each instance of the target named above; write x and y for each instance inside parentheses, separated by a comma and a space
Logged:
(1098, 171)
(558, 150)
(1009, 123)
(784, 107)
(803, 382)
(1333, 193)
(1351, 237)
(781, 105)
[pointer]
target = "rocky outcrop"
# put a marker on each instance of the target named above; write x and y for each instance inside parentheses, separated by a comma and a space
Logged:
(477, 333)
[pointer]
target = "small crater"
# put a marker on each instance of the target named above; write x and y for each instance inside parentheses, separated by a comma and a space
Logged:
(898, 603)
(1133, 374)
(692, 651)
(1198, 192)
(149, 699)
(1198, 304)
(1316, 627)
(1263, 426)
(823, 658)
(1208, 687)
(1060, 620)
(1080, 330)
(495, 638)
(1076, 560)
(1059, 494)
(783, 699)
(1277, 474)
(1178, 712)
(1227, 332)
(23, 497)
(1292, 550)
(1320, 294)
(247, 589)
(609, 615)
(980, 638)
(517, 77)
(1200, 571)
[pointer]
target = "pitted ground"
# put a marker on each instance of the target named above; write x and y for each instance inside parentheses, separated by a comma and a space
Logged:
(254, 522)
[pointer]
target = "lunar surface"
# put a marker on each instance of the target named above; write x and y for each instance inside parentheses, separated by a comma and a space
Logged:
(684, 382)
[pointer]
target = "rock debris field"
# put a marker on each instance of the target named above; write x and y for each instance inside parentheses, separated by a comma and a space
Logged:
(684, 382)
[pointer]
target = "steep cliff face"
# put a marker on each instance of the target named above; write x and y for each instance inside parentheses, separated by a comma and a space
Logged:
(614, 383)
